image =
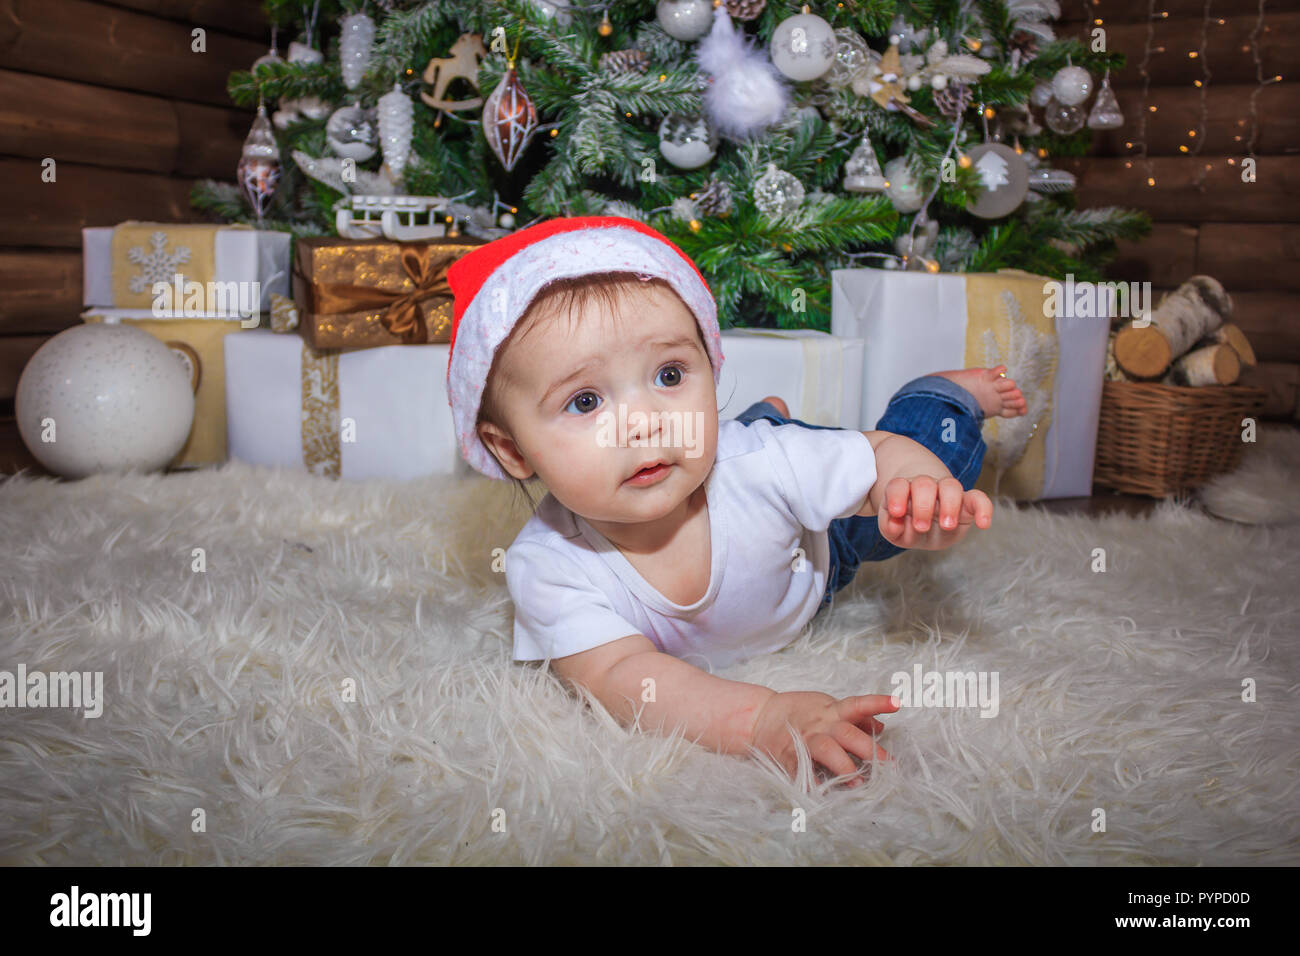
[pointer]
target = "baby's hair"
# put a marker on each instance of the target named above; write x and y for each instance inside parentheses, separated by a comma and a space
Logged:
(562, 297)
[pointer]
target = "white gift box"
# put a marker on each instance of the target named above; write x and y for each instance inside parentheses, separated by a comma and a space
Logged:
(240, 255)
(393, 416)
(819, 376)
(914, 324)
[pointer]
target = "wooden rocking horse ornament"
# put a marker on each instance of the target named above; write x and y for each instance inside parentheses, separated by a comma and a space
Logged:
(463, 62)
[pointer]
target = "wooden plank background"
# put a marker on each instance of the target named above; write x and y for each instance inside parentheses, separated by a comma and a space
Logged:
(1207, 219)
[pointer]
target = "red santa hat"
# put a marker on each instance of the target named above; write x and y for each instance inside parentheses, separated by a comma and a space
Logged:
(494, 284)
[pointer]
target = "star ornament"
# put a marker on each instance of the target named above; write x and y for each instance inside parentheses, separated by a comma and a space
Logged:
(884, 84)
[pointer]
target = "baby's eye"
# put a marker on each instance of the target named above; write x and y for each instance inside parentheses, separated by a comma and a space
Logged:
(585, 402)
(674, 375)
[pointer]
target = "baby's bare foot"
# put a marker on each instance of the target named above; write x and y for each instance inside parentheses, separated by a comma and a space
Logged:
(996, 395)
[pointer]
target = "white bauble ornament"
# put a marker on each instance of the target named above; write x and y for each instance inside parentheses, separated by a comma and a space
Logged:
(803, 46)
(904, 190)
(1071, 85)
(914, 82)
(1004, 176)
(506, 221)
(777, 193)
(685, 19)
(395, 123)
(687, 141)
(1041, 94)
(113, 398)
(350, 132)
(938, 81)
(1063, 119)
(356, 34)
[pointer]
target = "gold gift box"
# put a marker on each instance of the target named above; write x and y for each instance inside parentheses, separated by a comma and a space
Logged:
(364, 293)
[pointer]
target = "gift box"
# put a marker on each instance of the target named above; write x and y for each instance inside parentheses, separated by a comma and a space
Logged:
(228, 270)
(917, 323)
(361, 413)
(197, 342)
(818, 375)
(366, 293)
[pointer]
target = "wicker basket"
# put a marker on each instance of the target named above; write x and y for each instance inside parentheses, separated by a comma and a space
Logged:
(1162, 439)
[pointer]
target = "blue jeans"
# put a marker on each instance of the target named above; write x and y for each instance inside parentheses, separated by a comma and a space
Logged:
(923, 410)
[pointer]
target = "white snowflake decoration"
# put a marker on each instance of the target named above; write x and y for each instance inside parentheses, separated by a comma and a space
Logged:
(156, 266)
(1030, 359)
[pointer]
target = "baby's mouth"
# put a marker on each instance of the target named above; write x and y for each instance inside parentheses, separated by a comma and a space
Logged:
(652, 471)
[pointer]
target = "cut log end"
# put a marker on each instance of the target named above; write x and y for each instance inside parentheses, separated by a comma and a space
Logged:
(1142, 352)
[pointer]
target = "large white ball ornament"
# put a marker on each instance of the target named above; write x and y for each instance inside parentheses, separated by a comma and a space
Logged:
(685, 19)
(803, 47)
(112, 397)
(1071, 85)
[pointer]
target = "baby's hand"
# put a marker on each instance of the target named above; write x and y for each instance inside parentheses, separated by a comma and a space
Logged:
(832, 729)
(908, 517)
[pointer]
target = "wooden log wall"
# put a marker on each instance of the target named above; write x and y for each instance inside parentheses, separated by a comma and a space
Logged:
(132, 116)
(1207, 219)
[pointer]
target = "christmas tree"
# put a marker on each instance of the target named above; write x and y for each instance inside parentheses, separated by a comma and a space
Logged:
(771, 143)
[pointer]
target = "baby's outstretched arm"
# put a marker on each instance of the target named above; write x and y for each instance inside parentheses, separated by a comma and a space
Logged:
(919, 503)
(629, 675)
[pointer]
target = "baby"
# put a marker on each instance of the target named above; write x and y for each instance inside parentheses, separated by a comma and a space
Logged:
(586, 352)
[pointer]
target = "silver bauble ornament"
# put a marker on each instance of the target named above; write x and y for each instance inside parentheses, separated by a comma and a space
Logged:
(803, 46)
(685, 20)
(1105, 109)
(777, 193)
(851, 55)
(687, 141)
(1062, 118)
(1041, 94)
(351, 133)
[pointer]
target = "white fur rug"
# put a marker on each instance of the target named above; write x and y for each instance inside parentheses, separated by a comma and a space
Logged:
(226, 736)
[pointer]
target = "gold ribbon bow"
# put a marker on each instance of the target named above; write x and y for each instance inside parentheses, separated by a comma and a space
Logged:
(403, 316)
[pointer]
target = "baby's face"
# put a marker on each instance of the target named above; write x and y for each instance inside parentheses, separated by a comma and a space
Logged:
(592, 402)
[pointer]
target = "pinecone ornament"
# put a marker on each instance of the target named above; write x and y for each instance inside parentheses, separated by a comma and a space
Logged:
(745, 9)
(715, 200)
(953, 99)
(1022, 47)
(625, 61)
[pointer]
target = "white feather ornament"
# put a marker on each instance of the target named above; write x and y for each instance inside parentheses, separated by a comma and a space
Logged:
(746, 93)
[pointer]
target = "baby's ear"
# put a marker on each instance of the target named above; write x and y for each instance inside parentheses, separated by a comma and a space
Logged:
(504, 449)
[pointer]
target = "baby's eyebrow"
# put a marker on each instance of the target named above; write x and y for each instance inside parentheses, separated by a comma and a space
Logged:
(576, 373)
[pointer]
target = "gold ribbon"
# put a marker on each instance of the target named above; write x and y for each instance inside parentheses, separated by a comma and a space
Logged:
(403, 316)
(321, 450)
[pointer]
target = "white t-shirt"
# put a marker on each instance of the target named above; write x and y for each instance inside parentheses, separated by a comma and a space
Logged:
(773, 489)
